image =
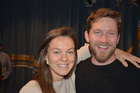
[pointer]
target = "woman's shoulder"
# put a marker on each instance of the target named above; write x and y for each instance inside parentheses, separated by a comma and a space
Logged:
(32, 82)
(31, 87)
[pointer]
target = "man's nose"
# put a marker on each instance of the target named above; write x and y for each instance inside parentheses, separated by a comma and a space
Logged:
(103, 38)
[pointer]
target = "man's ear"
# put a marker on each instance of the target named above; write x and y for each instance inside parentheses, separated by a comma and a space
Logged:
(118, 39)
(86, 36)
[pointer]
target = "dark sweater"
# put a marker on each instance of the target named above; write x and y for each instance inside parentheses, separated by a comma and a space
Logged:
(112, 78)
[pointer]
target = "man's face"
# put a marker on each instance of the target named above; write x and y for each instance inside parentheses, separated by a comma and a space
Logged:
(103, 38)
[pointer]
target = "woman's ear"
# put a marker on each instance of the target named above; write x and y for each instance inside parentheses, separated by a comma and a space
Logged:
(86, 36)
(46, 58)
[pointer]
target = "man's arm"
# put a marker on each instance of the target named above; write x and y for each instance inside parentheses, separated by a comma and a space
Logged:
(122, 56)
(83, 53)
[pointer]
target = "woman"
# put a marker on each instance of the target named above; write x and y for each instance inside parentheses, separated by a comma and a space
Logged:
(57, 60)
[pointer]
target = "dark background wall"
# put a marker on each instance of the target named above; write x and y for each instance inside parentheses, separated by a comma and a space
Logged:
(24, 23)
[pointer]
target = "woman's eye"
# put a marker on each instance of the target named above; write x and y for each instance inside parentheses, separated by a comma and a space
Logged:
(70, 52)
(56, 52)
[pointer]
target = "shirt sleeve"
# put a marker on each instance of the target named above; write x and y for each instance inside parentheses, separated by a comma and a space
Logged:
(83, 53)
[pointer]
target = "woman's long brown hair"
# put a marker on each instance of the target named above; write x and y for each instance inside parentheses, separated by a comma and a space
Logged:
(44, 76)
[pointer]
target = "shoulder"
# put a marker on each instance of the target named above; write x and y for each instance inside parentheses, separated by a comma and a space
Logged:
(31, 87)
(84, 62)
(4, 54)
(83, 65)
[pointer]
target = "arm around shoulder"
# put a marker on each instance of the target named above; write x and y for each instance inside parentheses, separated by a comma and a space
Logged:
(83, 53)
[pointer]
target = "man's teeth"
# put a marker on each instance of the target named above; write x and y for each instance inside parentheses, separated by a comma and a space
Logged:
(103, 46)
(63, 65)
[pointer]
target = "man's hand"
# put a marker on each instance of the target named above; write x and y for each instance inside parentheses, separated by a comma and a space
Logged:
(122, 56)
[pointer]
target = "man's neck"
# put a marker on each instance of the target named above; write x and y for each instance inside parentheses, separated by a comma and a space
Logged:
(110, 60)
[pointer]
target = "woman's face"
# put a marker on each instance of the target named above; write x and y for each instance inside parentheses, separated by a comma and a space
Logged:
(61, 56)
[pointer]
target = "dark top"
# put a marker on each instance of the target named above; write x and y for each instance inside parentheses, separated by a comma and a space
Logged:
(112, 78)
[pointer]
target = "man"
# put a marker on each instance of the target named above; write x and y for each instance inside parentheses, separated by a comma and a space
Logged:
(103, 73)
(6, 67)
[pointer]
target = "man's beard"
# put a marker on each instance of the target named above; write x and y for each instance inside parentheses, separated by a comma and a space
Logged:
(103, 56)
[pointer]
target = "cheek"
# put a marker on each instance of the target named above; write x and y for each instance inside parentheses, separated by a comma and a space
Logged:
(93, 37)
(114, 41)
(72, 59)
(53, 59)
(94, 41)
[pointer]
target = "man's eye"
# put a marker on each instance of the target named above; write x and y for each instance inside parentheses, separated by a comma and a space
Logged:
(96, 32)
(112, 33)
